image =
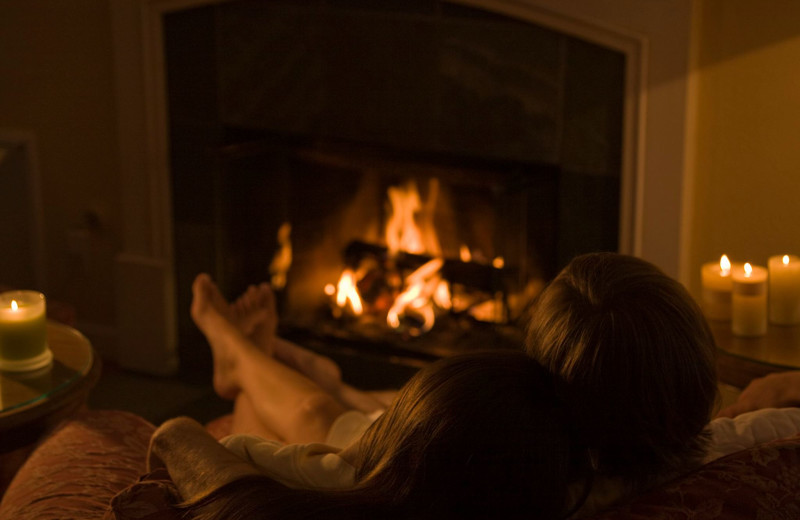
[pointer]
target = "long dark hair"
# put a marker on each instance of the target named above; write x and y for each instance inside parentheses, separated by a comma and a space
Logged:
(479, 435)
(636, 357)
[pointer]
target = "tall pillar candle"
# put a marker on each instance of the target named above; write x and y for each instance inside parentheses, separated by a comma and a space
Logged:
(784, 290)
(23, 331)
(749, 301)
(717, 286)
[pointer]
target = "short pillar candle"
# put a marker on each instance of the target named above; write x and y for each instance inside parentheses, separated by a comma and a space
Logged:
(23, 331)
(717, 286)
(749, 301)
(784, 290)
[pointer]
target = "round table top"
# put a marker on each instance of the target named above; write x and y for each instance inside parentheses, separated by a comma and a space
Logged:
(779, 348)
(742, 359)
(72, 361)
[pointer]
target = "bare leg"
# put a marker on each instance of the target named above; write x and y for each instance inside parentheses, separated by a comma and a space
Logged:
(286, 402)
(326, 373)
(255, 314)
(245, 419)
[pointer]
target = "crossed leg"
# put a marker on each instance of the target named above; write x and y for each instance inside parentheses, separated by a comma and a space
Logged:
(254, 316)
(274, 399)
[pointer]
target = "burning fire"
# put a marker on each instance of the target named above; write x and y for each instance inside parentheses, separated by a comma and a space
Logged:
(409, 229)
(402, 284)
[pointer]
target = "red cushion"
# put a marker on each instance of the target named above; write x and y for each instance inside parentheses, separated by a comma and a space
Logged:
(76, 471)
(98, 456)
(759, 483)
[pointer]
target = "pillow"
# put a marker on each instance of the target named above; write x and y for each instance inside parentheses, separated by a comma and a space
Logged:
(152, 496)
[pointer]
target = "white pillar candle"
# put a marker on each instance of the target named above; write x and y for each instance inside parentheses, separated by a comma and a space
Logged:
(749, 301)
(784, 290)
(717, 285)
(23, 331)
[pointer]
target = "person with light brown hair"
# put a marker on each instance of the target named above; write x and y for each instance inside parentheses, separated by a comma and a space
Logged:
(478, 435)
(634, 358)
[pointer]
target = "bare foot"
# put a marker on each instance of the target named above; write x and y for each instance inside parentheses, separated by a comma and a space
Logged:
(210, 312)
(255, 313)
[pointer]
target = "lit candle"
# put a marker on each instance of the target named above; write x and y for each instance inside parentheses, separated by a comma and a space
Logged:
(23, 331)
(749, 301)
(784, 290)
(717, 286)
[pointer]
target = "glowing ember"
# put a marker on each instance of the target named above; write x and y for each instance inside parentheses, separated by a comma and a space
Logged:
(465, 253)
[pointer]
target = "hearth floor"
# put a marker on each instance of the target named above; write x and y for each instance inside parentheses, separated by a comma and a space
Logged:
(155, 398)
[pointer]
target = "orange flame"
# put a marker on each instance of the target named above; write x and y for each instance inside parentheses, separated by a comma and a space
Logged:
(418, 297)
(410, 225)
(402, 233)
(282, 261)
(347, 291)
(410, 229)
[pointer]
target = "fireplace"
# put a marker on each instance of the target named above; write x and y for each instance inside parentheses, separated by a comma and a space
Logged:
(306, 116)
(439, 161)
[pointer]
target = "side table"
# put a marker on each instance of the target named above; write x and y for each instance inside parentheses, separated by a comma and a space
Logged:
(740, 360)
(33, 403)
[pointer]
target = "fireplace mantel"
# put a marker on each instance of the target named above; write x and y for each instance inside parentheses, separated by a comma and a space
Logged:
(653, 35)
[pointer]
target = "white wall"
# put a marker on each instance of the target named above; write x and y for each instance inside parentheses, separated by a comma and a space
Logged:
(747, 142)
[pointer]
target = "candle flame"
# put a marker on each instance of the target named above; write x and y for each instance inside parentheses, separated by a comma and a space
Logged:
(785, 259)
(14, 306)
(748, 270)
(725, 265)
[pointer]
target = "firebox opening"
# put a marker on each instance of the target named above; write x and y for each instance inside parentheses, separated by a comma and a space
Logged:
(293, 126)
(441, 254)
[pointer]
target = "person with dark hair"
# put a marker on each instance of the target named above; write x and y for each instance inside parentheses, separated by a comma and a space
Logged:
(479, 435)
(636, 361)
